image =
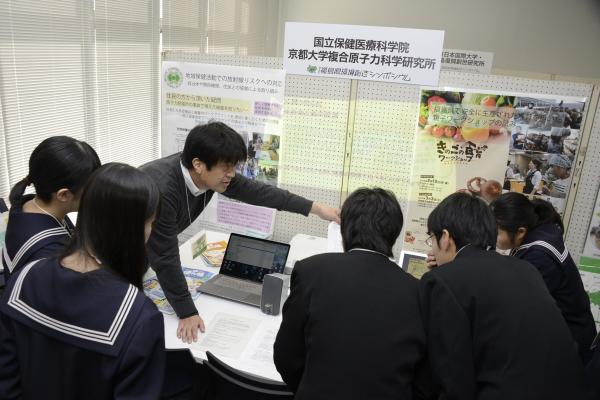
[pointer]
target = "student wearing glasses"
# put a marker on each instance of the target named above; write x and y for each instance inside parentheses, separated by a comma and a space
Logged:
(494, 332)
(79, 326)
(188, 181)
(38, 225)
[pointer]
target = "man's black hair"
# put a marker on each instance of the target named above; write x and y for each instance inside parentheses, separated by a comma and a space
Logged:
(467, 219)
(371, 219)
(213, 143)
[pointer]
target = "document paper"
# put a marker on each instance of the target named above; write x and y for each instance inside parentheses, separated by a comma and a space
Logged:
(227, 335)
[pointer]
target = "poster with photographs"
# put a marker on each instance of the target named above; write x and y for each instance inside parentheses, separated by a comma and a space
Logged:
(543, 144)
(461, 143)
(262, 163)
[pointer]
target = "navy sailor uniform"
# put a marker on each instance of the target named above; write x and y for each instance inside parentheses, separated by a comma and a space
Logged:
(545, 249)
(31, 236)
(71, 335)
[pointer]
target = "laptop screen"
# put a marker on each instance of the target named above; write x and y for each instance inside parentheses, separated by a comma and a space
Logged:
(251, 258)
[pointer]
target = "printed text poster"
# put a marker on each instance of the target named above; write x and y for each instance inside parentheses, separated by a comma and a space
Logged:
(250, 100)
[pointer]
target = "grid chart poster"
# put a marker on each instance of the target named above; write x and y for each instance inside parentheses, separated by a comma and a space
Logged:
(250, 100)
(399, 55)
(482, 143)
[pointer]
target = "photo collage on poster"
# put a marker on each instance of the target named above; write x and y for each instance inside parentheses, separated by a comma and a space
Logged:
(262, 163)
(543, 145)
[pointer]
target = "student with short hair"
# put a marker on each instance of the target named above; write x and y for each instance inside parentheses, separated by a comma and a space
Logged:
(188, 181)
(38, 225)
(493, 330)
(351, 326)
(533, 231)
(79, 326)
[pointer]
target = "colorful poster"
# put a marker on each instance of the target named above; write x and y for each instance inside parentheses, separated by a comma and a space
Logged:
(462, 141)
(543, 146)
(408, 56)
(461, 144)
(590, 258)
(250, 100)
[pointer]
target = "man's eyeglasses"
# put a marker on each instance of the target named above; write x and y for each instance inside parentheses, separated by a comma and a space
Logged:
(429, 240)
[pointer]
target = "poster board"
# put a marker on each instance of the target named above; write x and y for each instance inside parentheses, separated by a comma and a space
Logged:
(587, 185)
(384, 121)
(379, 120)
(312, 147)
(585, 219)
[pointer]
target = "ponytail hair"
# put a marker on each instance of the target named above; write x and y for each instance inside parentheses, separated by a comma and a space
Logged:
(16, 193)
(514, 210)
(58, 162)
(547, 214)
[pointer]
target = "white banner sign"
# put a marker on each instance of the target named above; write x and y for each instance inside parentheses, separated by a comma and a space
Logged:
(250, 100)
(479, 62)
(408, 56)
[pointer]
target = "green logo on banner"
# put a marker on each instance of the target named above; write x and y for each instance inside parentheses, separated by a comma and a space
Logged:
(173, 77)
(312, 69)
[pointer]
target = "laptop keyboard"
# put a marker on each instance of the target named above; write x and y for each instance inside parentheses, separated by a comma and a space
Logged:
(238, 285)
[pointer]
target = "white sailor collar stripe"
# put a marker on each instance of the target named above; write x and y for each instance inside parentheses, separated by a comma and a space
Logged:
(561, 256)
(32, 242)
(108, 337)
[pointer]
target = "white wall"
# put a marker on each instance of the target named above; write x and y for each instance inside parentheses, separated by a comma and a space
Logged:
(542, 36)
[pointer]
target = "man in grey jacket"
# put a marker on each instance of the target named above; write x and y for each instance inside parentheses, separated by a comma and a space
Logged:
(187, 182)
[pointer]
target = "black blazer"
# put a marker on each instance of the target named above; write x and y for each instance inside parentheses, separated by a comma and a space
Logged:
(351, 329)
(495, 333)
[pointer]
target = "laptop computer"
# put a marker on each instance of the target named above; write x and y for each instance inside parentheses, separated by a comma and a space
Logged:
(245, 263)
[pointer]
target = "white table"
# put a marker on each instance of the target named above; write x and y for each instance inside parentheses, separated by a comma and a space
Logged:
(256, 356)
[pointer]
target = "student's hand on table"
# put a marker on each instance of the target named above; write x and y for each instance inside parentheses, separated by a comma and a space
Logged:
(325, 212)
(188, 327)
(431, 262)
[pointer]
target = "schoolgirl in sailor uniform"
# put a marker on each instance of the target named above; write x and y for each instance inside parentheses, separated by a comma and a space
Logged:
(533, 230)
(38, 226)
(78, 326)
